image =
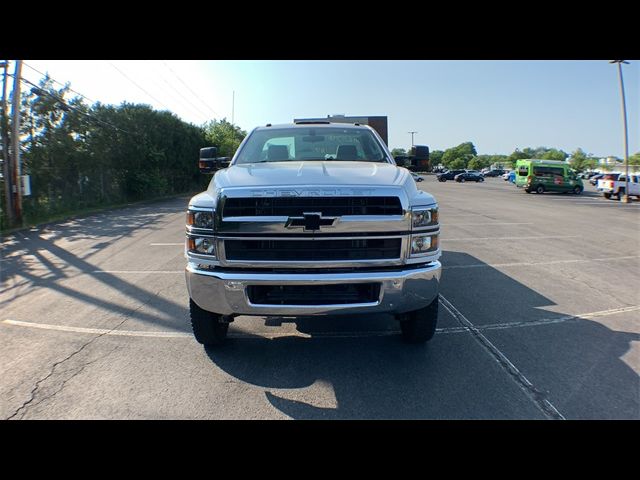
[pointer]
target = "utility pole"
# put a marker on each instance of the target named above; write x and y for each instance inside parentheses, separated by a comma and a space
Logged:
(6, 163)
(625, 198)
(412, 138)
(15, 143)
(233, 104)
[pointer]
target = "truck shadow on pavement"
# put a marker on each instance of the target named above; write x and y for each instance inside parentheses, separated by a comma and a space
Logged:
(357, 367)
(56, 262)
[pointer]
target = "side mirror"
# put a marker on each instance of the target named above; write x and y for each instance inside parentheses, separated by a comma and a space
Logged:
(210, 162)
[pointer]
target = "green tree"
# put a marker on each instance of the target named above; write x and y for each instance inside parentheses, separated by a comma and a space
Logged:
(476, 163)
(398, 152)
(634, 159)
(224, 135)
(460, 155)
(435, 157)
(519, 155)
(580, 161)
(457, 164)
(554, 154)
(82, 156)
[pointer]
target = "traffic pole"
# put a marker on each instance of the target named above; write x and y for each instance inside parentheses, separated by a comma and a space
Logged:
(15, 143)
(6, 159)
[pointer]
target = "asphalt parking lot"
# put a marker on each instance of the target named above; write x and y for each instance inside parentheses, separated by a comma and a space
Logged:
(538, 320)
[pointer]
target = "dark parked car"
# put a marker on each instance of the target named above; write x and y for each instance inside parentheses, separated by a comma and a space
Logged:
(469, 177)
(448, 175)
(494, 173)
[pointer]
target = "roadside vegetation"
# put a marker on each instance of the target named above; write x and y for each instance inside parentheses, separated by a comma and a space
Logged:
(465, 156)
(82, 157)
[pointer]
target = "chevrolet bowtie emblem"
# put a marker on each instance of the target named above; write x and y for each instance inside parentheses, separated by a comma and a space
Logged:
(310, 221)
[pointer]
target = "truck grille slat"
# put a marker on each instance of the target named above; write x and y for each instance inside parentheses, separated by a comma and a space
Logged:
(313, 250)
(296, 206)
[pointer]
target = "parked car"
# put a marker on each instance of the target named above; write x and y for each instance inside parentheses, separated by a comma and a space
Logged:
(469, 176)
(494, 173)
(448, 175)
(509, 176)
(417, 177)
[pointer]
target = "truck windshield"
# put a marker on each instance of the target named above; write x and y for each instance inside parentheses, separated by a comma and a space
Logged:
(296, 144)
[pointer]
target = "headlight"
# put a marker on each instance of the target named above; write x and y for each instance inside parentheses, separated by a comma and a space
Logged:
(424, 217)
(200, 219)
(201, 245)
(423, 244)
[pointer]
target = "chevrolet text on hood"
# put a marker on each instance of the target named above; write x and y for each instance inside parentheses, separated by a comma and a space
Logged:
(311, 219)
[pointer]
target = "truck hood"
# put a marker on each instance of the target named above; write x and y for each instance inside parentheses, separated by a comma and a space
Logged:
(312, 174)
(290, 173)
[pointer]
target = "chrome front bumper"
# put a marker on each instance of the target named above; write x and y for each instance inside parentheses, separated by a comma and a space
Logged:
(226, 293)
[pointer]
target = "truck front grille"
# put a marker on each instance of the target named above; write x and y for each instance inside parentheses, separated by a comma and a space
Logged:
(342, 294)
(313, 250)
(296, 206)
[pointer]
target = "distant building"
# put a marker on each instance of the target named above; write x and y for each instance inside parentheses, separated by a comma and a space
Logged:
(610, 161)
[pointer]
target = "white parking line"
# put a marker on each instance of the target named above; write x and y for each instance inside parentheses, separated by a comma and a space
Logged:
(507, 238)
(167, 244)
(532, 264)
(483, 224)
(137, 271)
(527, 387)
(100, 331)
(461, 329)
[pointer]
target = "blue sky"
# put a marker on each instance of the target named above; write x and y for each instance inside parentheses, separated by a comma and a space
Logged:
(497, 105)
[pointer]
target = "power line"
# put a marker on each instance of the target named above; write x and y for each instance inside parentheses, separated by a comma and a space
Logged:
(205, 115)
(58, 82)
(194, 94)
(63, 102)
(151, 96)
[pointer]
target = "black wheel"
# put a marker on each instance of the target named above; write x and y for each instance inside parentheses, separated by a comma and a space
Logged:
(620, 194)
(462, 180)
(443, 179)
(419, 326)
(481, 179)
(527, 190)
(539, 189)
(207, 326)
(607, 195)
(577, 190)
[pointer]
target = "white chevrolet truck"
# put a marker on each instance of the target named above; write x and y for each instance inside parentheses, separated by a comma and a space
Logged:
(311, 219)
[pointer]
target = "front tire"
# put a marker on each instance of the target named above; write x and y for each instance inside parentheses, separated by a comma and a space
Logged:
(539, 189)
(419, 326)
(207, 326)
(607, 195)
(577, 190)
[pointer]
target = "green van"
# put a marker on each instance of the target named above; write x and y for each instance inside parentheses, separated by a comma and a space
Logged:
(547, 176)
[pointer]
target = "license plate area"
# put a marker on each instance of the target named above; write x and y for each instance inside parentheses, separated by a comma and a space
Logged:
(314, 295)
